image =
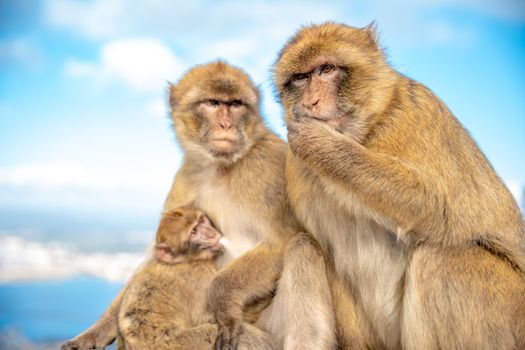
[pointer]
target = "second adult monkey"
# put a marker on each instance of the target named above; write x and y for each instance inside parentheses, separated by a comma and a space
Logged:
(233, 170)
(429, 241)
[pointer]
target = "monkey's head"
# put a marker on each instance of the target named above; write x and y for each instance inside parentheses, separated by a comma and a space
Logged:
(215, 112)
(186, 234)
(334, 73)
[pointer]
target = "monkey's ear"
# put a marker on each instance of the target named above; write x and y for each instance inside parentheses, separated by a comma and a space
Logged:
(164, 253)
(174, 214)
(172, 97)
(372, 33)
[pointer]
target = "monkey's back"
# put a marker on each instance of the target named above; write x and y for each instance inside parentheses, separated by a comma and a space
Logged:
(164, 299)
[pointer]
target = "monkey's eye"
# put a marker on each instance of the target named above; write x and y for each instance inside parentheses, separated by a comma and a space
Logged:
(236, 103)
(193, 232)
(326, 68)
(300, 78)
(214, 103)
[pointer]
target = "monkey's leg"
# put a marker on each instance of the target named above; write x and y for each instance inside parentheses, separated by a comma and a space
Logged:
(462, 298)
(301, 312)
(349, 322)
(103, 332)
(203, 337)
(250, 277)
(254, 338)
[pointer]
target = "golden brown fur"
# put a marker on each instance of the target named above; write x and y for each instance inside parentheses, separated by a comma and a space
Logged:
(164, 306)
(427, 240)
(168, 296)
(240, 185)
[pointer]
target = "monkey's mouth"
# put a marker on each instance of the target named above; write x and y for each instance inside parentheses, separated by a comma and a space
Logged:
(217, 246)
(223, 141)
(332, 121)
(223, 145)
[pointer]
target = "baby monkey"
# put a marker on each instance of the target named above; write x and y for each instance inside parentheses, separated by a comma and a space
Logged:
(165, 306)
(169, 295)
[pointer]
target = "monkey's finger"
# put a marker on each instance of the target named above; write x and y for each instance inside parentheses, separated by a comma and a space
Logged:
(218, 341)
(234, 343)
(236, 334)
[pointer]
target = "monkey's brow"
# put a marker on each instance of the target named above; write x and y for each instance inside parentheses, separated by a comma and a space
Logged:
(336, 66)
(228, 101)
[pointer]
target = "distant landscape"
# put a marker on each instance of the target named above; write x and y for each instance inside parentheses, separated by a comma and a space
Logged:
(59, 272)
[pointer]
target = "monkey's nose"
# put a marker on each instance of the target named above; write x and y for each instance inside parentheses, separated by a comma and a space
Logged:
(309, 105)
(225, 125)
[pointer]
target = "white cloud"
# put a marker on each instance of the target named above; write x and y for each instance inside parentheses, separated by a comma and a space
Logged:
(157, 108)
(21, 259)
(78, 175)
(259, 20)
(98, 18)
(49, 175)
(45, 175)
(143, 64)
(122, 187)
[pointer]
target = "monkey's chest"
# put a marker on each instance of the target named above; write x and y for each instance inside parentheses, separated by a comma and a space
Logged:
(364, 250)
(232, 216)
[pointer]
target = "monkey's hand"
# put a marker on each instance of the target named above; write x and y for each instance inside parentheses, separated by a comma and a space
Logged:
(229, 331)
(228, 314)
(97, 337)
(88, 341)
(306, 136)
(249, 277)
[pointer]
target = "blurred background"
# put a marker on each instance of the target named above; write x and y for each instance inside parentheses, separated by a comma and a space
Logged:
(87, 154)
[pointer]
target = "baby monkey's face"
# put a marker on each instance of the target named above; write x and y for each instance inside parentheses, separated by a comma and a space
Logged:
(186, 234)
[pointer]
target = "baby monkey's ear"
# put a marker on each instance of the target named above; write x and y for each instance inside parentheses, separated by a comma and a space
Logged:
(165, 253)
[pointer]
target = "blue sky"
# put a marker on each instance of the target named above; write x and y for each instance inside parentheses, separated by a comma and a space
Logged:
(83, 115)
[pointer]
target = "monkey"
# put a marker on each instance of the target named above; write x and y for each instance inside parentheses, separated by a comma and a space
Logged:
(164, 306)
(427, 243)
(168, 296)
(233, 170)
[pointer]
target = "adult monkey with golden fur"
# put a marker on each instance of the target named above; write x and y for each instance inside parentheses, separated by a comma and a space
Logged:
(428, 239)
(233, 171)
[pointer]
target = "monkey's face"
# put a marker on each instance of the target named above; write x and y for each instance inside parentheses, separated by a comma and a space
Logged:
(186, 234)
(215, 112)
(222, 125)
(333, 73)
(314, 93)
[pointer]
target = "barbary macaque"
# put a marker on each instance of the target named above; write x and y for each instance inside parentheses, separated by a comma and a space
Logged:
(427, 240)
(165, 305)
(233, 170)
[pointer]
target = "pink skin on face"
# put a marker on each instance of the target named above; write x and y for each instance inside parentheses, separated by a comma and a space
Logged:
(205, 236)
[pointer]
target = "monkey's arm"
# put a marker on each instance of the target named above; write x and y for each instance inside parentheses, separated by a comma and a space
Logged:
(252, 276)
(386, 184)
